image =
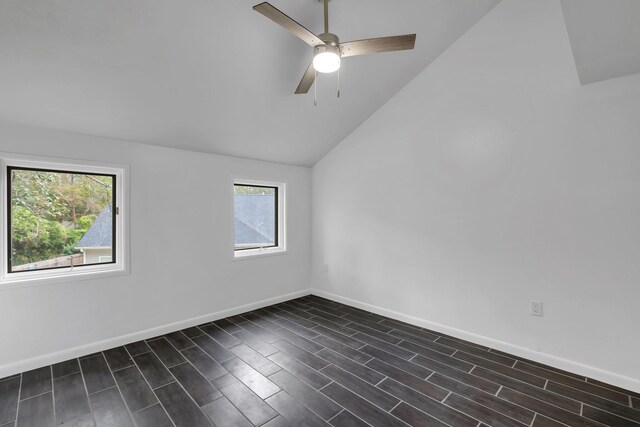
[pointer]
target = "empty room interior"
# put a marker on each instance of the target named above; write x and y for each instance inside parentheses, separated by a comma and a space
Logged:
(319, 213)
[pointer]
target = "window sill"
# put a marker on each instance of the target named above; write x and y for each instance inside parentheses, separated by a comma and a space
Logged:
(255, 253)
(13, 282)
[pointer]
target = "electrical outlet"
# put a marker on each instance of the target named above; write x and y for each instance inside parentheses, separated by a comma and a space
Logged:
(326, 268)
(536, 308)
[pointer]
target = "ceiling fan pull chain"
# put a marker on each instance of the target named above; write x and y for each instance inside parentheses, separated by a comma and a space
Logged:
(338, 82)
(315, 90)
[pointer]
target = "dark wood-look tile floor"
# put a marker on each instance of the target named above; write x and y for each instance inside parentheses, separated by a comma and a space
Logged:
(309, 362)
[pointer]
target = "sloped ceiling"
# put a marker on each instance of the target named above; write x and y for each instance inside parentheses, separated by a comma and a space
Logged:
(209, 75)
(605, 37)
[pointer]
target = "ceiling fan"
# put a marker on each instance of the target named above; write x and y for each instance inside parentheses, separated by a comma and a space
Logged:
(327, 49)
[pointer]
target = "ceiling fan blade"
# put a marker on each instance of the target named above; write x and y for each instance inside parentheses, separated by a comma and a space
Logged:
(307, 80)
(289, 24)
(381, 44)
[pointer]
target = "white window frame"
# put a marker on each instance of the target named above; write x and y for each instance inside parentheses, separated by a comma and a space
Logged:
(65, 274)
(281, 249)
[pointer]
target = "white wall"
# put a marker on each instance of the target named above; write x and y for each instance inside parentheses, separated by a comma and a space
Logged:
(492, 179)
(181, 221)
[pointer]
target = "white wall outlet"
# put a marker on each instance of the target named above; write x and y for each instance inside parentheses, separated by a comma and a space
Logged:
(536, 308)
(325, 268)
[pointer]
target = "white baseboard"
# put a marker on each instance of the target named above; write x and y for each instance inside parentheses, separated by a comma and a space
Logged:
(83, 350)
(548, 359)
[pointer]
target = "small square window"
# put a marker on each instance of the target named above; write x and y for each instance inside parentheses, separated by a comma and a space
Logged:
(60, 220)
(258, 217)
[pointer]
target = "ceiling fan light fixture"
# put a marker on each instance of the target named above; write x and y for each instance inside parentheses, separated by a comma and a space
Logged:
(326, 59)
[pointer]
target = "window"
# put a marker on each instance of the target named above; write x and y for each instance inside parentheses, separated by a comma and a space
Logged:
(258, 218)
(60, 220)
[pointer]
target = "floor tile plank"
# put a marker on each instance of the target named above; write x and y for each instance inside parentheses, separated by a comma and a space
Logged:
(327, 316)
(292, 326)
(360, 407)
(382, 336)
(65, 368)
(136, 392)
(427, 405)
(278, 421)
(502, 406)
(223, 413)
(204, 363)
(502, 369)
(345, 330)
(476, 350)
(347, 419)
(153, 416)
(363, 320)
(297, 340)
(398, 362)
(136, 348)
(253, 341)
(118, 358)
(153, 370)
(220, 335)
(300, 354)
(179, 340)
(254, 380)
(416, 418)
(251, 406)
(302, 321)
(109, 409)
(192, 332)
(71, 401)
(542, 421)
(255, 360)
(456, 374)
(546, 409)
(300, 370)
(260, 332)
(227, 326)
(181, 409)
(371, 393)
(423, 342)
(341, 338)
(607, 418)
(409, 380)
(296, 414)
(213, 348)
(383, 345)
(480, 412)
(197, 386)
(535, 392)
(306, 395)
(166, 352)
(595, 401)
(37, 411)
(35, 382)
(411, 329)
(361, 371)
(96, 373)
(342, 349)
(437, 356)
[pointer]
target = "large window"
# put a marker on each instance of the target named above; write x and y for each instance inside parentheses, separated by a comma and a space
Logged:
(258, 218)
(60, 220)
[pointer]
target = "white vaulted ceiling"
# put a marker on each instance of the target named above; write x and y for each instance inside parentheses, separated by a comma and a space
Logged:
(605, 37)
(209, 75)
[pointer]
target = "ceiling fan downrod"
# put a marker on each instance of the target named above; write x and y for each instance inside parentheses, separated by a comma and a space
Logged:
(326, 16)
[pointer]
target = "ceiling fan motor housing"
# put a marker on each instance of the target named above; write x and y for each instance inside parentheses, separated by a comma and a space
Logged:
(326, 57)
(329, 38)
